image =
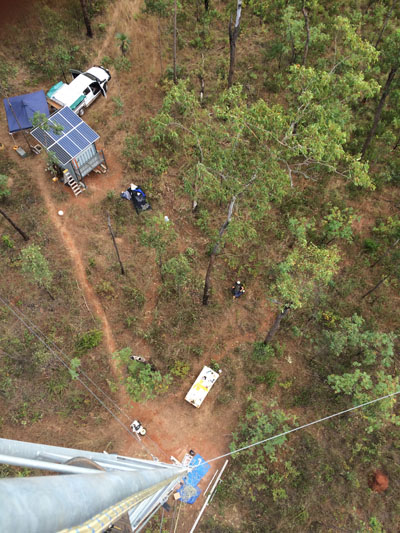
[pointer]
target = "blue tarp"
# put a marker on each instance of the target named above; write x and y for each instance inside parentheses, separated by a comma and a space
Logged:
(193, 479)
(23, 109)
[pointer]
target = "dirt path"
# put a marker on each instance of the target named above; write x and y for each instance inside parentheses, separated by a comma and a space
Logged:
(121, 16)
(62, 223)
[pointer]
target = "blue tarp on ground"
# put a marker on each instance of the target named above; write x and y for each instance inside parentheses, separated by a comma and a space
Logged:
(189, 490)
(20, 110)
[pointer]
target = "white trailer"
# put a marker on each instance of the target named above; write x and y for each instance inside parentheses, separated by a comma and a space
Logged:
(202, 386)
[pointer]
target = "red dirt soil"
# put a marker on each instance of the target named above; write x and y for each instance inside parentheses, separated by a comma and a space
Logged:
(378, 481)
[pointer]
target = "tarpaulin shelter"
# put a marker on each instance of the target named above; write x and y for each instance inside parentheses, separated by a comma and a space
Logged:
(189, 490)
(20, 110)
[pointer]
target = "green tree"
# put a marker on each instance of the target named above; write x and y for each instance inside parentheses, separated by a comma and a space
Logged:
(36, 266)
(256, 152)
(388, 233)
(40, 119)
(362, 387)
(351, 340)
(390, 58)
(367, 355)
(337, 224)
(123, 43)
(254, 472)
(141, 382)
(177, 273)
(299, 278)
(159, 235)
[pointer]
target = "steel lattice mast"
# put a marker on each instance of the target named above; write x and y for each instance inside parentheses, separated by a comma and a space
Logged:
(99, 489)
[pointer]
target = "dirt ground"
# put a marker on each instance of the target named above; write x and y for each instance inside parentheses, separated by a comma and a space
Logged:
(174, 427)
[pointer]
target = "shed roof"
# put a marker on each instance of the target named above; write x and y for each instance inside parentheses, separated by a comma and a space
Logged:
(20, 110)
(75, 137)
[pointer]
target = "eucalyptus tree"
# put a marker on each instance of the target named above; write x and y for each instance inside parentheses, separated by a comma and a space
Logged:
(86, 18)
(233, 30)
(368, 356)
(242, 156)
(387, 232)
(389, 63)
(306, 270)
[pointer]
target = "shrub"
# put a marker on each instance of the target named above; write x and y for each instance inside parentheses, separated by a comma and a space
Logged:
(141, 382)
(7, 241)
(105, 288)
(134, 297)
(269, 378)
(180, 368)
(370, 245)
(36, 266)
(261, 352)
(4, 191)
(87, 341)
(122, 64)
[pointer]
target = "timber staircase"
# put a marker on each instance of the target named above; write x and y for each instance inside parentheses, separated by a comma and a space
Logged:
(76, 186)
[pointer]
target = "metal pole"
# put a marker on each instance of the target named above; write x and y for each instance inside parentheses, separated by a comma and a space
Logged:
(51, 503)
(45, 465)
(212, 479)
(19, 124)
(115, 244)
(208, 498)
(57, 454)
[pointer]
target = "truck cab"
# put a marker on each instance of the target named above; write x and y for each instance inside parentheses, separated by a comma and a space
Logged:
(84, 89)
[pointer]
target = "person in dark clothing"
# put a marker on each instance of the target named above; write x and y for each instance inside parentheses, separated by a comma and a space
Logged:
(237, 290)
(136, 191)
(137, 197)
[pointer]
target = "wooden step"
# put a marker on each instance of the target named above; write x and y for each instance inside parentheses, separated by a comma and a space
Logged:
(77, 188)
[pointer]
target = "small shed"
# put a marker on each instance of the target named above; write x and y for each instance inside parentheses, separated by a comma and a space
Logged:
(74, 148)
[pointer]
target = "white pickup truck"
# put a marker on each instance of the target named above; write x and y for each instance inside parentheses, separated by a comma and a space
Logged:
(82, 91)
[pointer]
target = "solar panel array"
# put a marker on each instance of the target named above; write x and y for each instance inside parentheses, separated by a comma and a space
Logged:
(71, 141)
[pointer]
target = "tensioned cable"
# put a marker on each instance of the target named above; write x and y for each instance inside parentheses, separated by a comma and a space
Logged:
(162, 519)
(173, 517)
(134, 436)
(177, 518)
(300, 427)
(81, 371)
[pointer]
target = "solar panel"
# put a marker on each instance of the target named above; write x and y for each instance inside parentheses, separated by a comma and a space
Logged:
(78, 139)
(75, 137)
(55, 136)
(59, 120)
(69, 146)
(69, 115)
(42, 137)
(87, 132)
(61, 154)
